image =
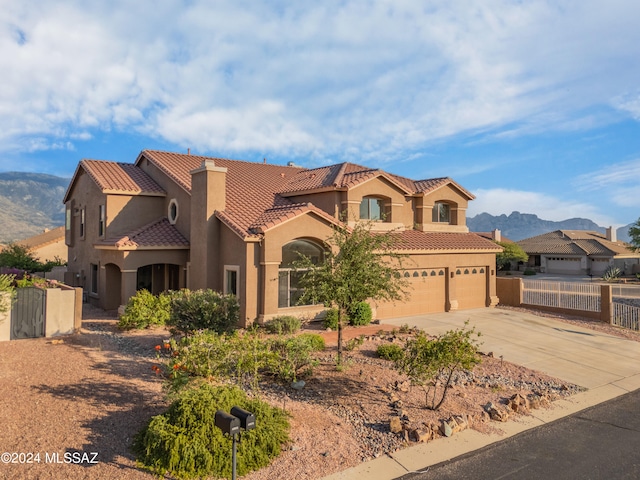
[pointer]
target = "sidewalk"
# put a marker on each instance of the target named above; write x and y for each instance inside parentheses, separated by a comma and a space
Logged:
(608, 366)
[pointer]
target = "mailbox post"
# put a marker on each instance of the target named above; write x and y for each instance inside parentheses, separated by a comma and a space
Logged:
(230, 424)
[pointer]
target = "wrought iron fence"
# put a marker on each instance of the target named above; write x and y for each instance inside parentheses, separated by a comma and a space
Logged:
(626, 316)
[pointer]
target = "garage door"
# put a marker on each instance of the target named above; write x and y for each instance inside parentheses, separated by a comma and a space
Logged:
(599, 265)
(427, 295)
(566, 265)
(471, 287)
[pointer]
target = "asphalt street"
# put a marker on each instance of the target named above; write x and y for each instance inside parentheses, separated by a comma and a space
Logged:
(601, 442)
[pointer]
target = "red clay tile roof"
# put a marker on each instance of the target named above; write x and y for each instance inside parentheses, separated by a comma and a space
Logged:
(418, 240)
(277, 215)
(113, 177)
(252, 188)
(573, 242)
(158, 234)
(42, 239)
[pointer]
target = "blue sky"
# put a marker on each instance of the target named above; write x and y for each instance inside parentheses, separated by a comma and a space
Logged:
(533, 106)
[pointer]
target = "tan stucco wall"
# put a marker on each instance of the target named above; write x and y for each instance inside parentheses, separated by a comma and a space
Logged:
(126, 213)
(50, 251)
(458, 202)
(394, 199)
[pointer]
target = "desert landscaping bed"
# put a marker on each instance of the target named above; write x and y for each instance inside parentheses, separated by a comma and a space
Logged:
(91, 392)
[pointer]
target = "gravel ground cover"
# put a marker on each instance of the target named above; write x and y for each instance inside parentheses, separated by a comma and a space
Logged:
(77, 402)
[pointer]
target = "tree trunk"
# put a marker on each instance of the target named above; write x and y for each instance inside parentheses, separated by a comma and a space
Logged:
(339, 362)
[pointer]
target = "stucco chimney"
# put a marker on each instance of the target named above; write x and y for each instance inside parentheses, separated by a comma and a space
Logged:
(208, 195)
(496, 235)
(611, 234)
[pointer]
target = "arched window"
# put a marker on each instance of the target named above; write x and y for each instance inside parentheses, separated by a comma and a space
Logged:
(441, 213)
(289, 289)
(372, 208)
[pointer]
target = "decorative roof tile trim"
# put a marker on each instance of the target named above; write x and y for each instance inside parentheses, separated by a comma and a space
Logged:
(157, 234)
(232, 225)
(113, 177)
(278, 215)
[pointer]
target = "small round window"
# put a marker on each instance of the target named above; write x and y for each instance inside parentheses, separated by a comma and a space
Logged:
(173, 211)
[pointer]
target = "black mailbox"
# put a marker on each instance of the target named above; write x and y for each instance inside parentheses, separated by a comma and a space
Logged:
(247, 419)
(227, 423)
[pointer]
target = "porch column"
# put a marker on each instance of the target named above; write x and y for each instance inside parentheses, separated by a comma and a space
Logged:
(128, 285)
(451, 290)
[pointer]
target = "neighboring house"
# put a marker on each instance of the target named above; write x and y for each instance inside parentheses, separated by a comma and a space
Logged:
(578, 252)
(173, 220)
(47, 246)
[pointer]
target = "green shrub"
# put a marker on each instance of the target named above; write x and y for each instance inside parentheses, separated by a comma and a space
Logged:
(283, 325)
(185, 442)
(145, 309)
(315, 341)
(331, 319)
(7, 291)
(292, 357)
(390, 351)
(203, 310)
(529, 271)
(360, 314)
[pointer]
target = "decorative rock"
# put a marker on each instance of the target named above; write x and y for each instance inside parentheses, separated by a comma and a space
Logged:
(299, 385)
(519, 404)
(461, 421)
(446, 429)
(403, 386)
(395, 425)
(495, 413)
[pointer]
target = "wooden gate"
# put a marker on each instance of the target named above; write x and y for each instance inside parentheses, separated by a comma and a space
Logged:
(27, 313)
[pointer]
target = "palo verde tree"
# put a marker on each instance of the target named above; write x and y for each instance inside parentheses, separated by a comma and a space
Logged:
(431, 363)
(511, 252)
(359, 265)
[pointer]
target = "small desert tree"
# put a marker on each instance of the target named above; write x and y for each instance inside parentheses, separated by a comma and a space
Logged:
(634, 233)
(17, 256)
(512, 252)
(360, 265)
(431, 363)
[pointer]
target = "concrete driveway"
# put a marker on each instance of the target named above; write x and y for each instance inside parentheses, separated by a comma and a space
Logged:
(608, 366)
(578, 355)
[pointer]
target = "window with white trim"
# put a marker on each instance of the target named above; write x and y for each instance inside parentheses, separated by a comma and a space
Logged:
(231, 282)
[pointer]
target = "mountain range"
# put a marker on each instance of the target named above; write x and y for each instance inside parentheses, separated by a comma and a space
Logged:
(29, 204)
(32, 202)
(517, 226)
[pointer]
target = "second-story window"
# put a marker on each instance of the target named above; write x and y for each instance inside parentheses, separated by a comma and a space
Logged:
(371, 208)
(82, 222)
(441, 213)
(101, 220)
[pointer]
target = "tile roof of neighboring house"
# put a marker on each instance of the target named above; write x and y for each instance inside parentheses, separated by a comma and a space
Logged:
(417, 240)
(573, 242)
(46, 238)
(489, 236)
(157, 234)
(114, 177)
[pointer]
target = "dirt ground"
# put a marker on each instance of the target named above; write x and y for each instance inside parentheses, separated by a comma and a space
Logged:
(70, 406)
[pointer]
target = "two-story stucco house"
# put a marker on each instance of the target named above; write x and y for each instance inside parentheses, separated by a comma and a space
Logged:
(173, 220)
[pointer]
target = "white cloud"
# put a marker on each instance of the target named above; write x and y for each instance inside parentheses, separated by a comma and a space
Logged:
(500, 201)
(375, 80)
(611, 177)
